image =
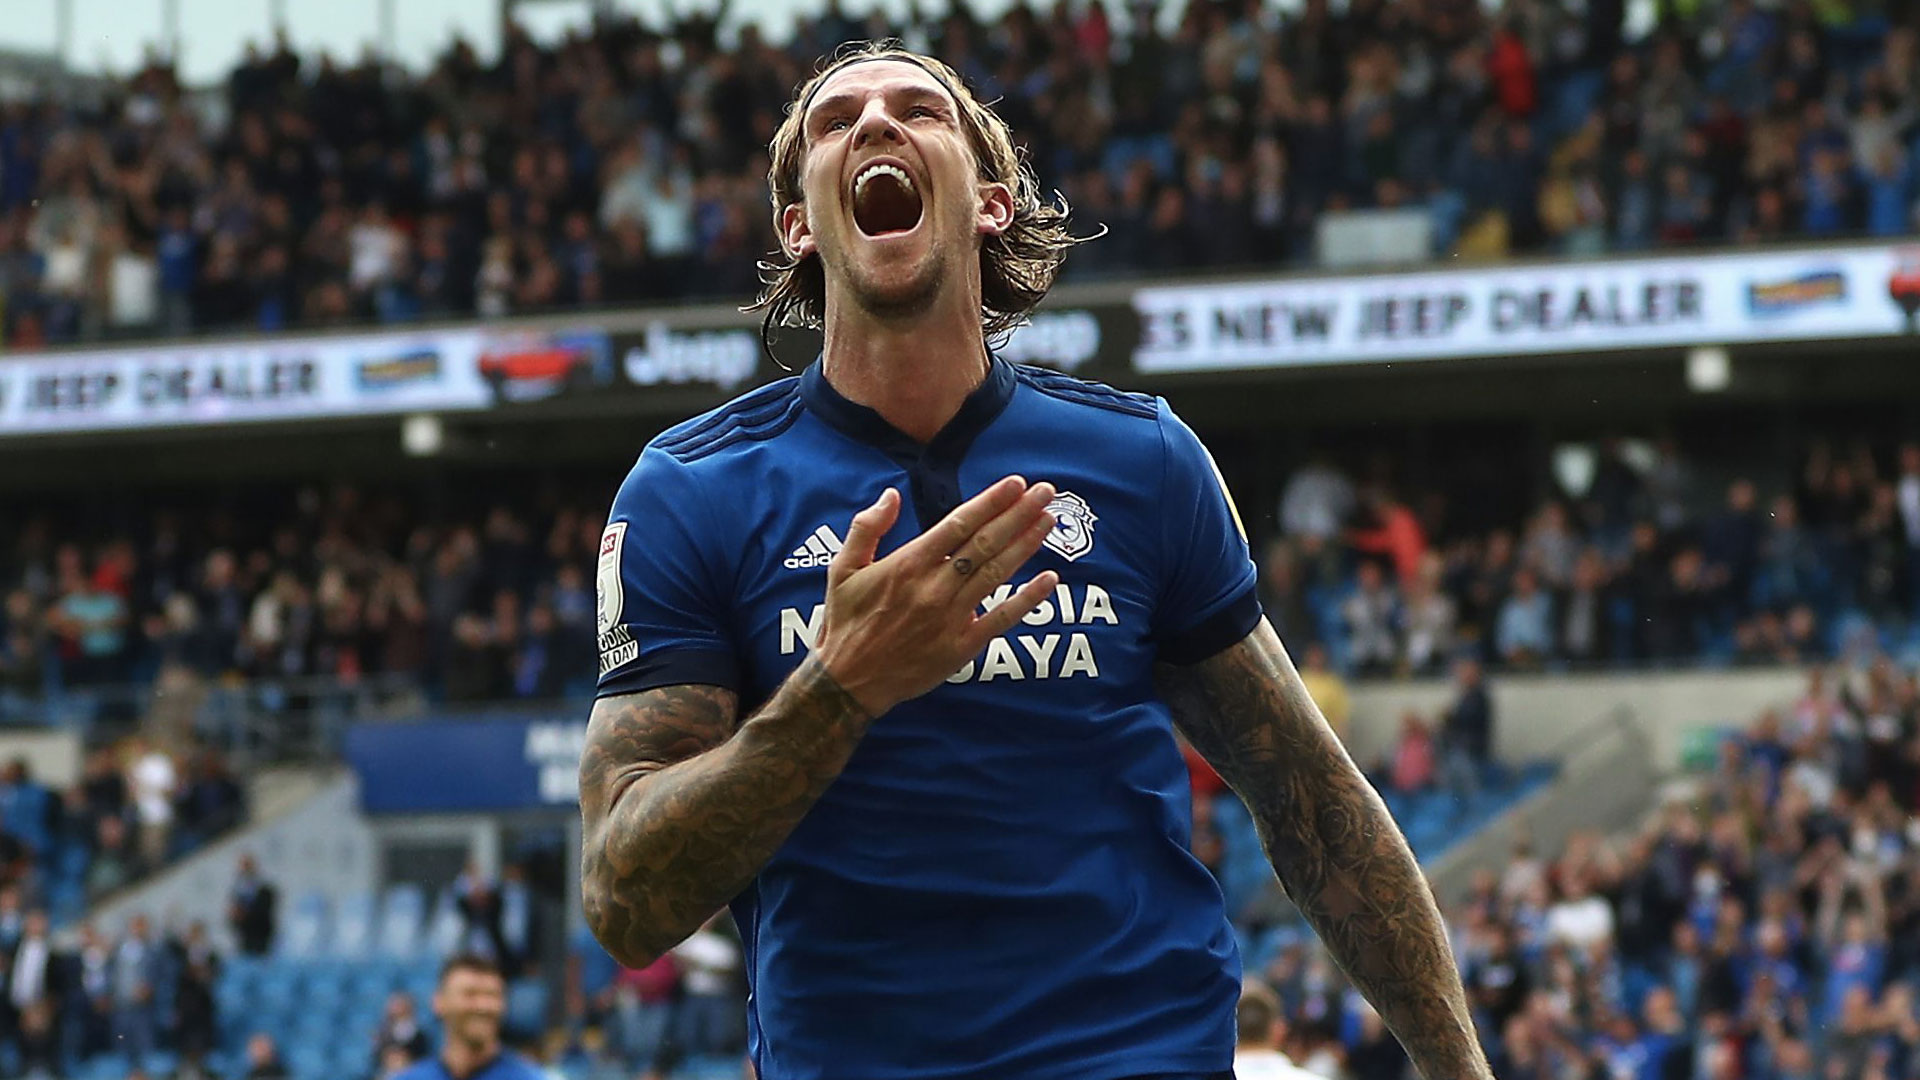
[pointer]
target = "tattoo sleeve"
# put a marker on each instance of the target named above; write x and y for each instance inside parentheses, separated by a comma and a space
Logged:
(1337, 851)
(680, 810)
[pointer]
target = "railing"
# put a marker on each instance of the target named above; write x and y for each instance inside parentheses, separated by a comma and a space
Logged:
(253, 722)
(1606, 778)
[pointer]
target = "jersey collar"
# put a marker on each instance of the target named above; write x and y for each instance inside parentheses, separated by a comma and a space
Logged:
(859, 422)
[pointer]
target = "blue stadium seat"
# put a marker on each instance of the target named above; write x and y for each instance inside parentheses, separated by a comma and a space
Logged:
(307, 1061)
(443, 933)
(277, 988)
(709, 1068)
(402, 920)
(526, 1006)
(353, 927)
(303, 934)
(106, 1067)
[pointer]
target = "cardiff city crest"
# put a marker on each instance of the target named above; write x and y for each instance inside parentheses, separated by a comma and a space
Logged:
(1072, 534)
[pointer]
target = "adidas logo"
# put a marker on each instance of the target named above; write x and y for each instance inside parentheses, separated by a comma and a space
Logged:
(819, 550)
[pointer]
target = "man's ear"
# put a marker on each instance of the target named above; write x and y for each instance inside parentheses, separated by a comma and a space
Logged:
(995, 213)
(795, 233)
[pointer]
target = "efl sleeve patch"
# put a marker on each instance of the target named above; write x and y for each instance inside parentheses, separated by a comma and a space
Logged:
(660, 607)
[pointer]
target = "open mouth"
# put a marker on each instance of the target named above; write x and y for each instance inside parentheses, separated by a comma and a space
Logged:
(885, 200)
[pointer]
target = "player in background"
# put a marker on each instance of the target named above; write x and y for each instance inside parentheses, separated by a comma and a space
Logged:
(955, 840)
(1261, 1030)
(470, 1000)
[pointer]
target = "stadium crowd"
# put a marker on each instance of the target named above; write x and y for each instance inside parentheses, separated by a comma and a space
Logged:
(335, 590)
(628, 164)
(1638, 567)
(136, 807)
(67, 990)
(1764, 925)
(320, 594)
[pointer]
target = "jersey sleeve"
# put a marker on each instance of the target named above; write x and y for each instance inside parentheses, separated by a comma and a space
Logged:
(661, 612)
(1207, 599)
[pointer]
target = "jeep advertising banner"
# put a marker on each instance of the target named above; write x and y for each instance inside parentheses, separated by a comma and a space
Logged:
(624, 360)
(1619, 305)
(271, 379)
(1082, 340)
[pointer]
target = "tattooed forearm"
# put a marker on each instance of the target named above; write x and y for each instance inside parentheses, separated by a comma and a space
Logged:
(681, 810)
(1337, 851)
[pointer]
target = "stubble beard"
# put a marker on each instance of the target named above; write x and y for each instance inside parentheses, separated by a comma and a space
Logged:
(902, 301)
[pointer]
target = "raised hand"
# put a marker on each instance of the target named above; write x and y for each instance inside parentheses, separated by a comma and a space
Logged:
(896, 628)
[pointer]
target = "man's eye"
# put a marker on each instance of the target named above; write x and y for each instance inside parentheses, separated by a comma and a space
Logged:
(918, 111)
(837, 123)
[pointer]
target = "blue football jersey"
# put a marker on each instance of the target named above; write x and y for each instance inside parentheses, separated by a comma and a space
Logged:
(505, 1066)
(999, 884)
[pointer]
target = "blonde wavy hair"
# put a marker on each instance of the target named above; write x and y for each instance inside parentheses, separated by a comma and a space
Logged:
(1017, 267)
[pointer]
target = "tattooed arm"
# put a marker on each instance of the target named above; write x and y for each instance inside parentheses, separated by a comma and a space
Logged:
(1339, 854)
(681, 810)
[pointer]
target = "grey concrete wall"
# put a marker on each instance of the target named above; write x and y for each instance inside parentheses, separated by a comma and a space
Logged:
(1536, 714)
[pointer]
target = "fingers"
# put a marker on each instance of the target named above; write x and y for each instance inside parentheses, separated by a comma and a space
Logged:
(984, 548)
(863, 537)
(1032, 526)
(1012, 610)
(956, 528)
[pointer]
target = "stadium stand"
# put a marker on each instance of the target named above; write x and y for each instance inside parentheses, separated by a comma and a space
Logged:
(1763, 926)
(629, 164)
(326, 603)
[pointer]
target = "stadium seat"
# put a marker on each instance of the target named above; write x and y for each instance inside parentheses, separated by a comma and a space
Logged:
(402, 919)
(443, 933)
(526, 1006)
(308, 1061)
(353, 927)
(303, 935)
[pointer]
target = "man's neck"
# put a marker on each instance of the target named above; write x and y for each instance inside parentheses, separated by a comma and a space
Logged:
(917, 372)
(464, 1059)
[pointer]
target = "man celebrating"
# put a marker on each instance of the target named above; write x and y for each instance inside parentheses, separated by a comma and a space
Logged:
(949, 811)
(469, 1001)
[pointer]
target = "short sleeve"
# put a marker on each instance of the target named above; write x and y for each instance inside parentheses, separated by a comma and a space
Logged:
(1207, 599)
(661, 612)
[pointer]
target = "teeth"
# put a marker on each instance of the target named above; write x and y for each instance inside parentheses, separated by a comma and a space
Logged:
(872, 171)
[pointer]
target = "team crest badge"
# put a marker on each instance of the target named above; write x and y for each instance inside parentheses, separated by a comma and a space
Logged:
(1072, 534)
(607, 580)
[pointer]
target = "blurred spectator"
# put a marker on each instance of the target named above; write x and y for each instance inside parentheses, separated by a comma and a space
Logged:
(1908, 496)
(114, 862)
(153, 783)
(1466, 734)
(1261, 1031)
(1317, 501)
(400, 1033)
(1428, 617)
(90, 994)
(1369, 615)
(482, 922)
(709, 965)
(138, 968)
(640, 1002)
(263, 1060)
(1413, 756)
(33, 994)
(1328, 690)
(251, 908)
(1391, 532)
(1525, 630)
(197, 968)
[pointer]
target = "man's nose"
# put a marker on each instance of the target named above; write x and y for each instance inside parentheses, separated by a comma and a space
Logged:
(876, 125)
